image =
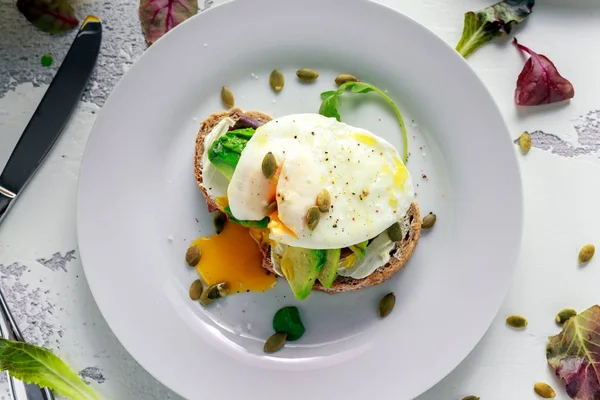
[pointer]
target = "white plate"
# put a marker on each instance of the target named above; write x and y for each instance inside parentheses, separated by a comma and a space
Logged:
(138, 205)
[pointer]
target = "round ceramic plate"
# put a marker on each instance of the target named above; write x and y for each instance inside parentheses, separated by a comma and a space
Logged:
(139, 207)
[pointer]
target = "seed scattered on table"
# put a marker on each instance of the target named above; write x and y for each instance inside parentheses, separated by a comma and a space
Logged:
(544, 390)
(525, 142)
(586, 253)
(516, 321)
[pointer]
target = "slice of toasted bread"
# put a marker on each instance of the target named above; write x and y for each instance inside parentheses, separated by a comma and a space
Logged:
(205, 128)
(411, 223)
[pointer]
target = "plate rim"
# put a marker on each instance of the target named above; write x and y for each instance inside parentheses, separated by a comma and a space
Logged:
(162, 42)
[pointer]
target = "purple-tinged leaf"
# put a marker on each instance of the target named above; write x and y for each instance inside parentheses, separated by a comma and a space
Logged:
(575, 355)
(160, 16)
(540, 82)
(51, 16)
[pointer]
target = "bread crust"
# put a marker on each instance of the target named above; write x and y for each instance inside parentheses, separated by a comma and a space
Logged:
(399, 255)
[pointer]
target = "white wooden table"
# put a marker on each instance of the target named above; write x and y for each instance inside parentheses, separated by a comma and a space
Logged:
(41, 273)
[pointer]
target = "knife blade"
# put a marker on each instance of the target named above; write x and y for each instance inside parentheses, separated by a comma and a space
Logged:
(42, 131)
(53, 112)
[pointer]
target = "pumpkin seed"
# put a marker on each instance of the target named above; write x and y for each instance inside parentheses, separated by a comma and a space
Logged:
(227, 97)
(269, 165)
(586, 253)
(192, 255)
(276, 80)
(312, 218)
(386, 305)
(219, 221)
(275, 342)
(429, 221)
(307, 74)
(516, 321)
(395, 232)
(564, 315)
(271, 208)
(544, 390)
(344, 78)
(213, 293)
(525, 142)
(196, 289)
(324, 200)
(471, 398)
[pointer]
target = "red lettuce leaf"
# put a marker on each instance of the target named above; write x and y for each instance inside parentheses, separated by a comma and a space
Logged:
(540, 82)
(575, 355)
(160, 16)
(51, 16)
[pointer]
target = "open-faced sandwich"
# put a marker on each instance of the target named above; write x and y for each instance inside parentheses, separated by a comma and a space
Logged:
(330, 206)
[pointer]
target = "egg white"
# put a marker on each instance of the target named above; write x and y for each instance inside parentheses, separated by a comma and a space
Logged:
(369, 185)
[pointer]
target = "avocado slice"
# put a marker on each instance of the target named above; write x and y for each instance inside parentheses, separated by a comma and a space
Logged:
(329, 271)
(360, 248)
(226, 151)
(301, 268)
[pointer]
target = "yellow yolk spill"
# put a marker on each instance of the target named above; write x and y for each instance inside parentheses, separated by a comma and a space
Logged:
(365, 139)
(222, 202)
(233, 257)
(275, 224)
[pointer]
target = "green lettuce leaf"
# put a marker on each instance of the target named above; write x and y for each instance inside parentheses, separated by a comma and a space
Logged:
(226, 151)
(33, 364)
(160, 16)
(492, 22)
(51, 16)
(574, 354)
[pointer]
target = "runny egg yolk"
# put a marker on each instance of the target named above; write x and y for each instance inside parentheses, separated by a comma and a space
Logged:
(233, 257)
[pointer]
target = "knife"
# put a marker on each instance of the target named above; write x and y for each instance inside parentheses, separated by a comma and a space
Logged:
(42, 131)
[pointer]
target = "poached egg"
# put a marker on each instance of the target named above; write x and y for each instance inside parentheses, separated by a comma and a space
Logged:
(369, 186)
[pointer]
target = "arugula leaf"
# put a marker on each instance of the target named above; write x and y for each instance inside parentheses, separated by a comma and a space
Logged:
(33, 364)
(160, 16)
(288, 320)
(574, 355)
(361, 87)
(331, 101)
(50, 16)
(494, 21)
(330, 104)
